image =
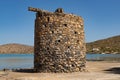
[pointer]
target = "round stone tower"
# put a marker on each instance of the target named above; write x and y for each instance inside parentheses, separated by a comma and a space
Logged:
(59, 42)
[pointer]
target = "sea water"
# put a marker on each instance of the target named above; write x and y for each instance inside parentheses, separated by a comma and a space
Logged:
(17, 61)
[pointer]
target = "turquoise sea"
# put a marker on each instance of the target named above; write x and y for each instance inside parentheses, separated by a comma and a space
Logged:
(16, 61)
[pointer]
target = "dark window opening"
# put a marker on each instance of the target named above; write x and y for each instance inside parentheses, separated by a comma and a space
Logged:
(65, 25)
(73, 65)
(48, 19)
(58, 40)
(75, 32)
(47, 48)
(77, 41)
(68, 46)
(52, 31)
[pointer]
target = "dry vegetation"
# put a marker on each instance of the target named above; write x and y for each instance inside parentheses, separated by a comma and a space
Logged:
(109, 45)
(16, 48)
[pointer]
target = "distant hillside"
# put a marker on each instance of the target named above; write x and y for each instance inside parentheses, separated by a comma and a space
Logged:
(109, 45)
(16, 48)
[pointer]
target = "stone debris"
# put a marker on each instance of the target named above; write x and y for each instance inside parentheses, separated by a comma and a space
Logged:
(59, 42)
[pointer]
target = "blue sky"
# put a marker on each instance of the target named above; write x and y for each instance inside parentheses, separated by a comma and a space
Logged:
(101, 18)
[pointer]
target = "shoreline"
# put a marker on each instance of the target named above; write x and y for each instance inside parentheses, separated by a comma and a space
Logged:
(97, 70)
(16, 53)
(86, 53)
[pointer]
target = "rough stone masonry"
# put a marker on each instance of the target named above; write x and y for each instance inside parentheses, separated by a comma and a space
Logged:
(59, 42)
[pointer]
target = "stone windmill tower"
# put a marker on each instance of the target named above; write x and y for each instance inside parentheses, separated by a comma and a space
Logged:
(59, 42)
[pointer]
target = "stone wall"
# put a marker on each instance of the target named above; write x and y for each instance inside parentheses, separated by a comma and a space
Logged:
(59, 42)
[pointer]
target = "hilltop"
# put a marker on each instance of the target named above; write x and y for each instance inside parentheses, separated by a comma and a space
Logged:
(16, 48)
(109, 45)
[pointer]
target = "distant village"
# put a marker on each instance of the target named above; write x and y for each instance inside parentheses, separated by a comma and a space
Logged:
(106, 46)
(98, 50)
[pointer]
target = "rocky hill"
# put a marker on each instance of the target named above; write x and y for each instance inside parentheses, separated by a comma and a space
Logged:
(109, 45)
(16, 48)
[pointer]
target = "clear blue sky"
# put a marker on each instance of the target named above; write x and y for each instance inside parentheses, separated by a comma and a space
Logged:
(101, 18)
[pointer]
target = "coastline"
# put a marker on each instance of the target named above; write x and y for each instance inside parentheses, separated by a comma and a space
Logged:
(97, 70)
(100, 53)
(33, 53)
(16, 53)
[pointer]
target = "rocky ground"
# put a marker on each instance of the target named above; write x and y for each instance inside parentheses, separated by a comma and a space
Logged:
(97, 70)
